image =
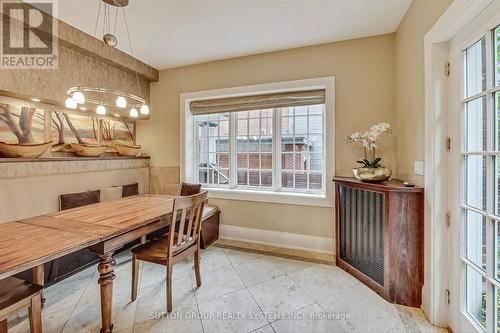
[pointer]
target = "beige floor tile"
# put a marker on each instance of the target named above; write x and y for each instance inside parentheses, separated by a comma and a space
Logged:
(213, 258)
(311, 319)
(156, 275)
(237, 258)
(278, 287)
(179, 321)
(320, 281)
(86, 317)
(258, 270)
(236, 312)
(279, 297)
(51, 322)
(218, 282)
(289, 265)
(64, 295)
(153, 300)
(265, 329)
(398, 329)
(364, 309)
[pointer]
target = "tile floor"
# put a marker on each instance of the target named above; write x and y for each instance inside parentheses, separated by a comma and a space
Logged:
(241, 292)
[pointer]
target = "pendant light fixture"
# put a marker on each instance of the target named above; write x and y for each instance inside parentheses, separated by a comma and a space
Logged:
(105, 98)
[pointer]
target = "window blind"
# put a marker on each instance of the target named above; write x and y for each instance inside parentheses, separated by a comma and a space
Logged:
(258, 102)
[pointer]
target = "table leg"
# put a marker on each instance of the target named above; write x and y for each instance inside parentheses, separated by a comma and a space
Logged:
(106, 276)
(38, 277)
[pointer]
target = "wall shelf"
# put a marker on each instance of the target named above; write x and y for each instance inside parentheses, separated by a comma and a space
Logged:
(70, 158)
(22, 168)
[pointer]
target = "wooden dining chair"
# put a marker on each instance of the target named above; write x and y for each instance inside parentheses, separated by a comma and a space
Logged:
(17, 294)
(175, 246)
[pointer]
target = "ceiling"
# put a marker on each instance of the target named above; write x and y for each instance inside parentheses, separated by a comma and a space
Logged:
(172, 33)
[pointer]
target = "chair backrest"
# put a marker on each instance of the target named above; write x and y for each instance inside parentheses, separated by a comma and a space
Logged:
(190, 209)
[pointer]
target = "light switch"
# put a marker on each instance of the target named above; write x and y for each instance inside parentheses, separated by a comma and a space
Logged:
(419, 168)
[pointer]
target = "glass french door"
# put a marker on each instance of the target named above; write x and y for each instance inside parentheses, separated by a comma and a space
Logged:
(479, 186)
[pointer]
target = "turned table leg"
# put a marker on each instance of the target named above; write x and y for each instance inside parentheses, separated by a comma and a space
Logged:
(38, 277)
(106, 276)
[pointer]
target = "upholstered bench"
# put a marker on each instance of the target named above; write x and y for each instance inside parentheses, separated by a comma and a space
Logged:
(209, 226)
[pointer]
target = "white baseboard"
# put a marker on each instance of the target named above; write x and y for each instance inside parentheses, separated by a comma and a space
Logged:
(278, 239)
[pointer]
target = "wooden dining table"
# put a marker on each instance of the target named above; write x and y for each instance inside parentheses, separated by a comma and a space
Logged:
(102, 227)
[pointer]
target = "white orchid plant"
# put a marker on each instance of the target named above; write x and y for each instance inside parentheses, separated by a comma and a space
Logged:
(369, 140)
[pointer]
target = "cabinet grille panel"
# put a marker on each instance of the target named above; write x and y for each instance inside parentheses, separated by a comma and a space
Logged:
(362, 231)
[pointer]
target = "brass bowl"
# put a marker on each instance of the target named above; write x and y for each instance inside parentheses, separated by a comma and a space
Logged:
(124, 150)
(88, 150)
(24, 151)
(372, 175)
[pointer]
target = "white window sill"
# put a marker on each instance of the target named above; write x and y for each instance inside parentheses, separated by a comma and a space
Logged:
(288, 198)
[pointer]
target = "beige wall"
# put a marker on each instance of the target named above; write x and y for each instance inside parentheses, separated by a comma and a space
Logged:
(410, 97)
(22, 197)
(364, 71)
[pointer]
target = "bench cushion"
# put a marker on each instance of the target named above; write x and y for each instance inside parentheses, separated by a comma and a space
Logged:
(73, 200)
(209, 211)
(190, 189)
(130, 190)
(111, 193)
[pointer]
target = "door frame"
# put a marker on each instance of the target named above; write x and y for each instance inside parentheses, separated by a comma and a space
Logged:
(436, 245)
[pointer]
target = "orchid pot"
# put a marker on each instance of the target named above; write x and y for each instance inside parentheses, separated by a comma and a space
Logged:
(371, 170)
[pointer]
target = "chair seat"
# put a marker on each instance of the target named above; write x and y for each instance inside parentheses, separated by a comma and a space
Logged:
(14, 290)
(157, 250)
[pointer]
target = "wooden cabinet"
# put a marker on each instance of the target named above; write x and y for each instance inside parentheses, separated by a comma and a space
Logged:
(380, 237)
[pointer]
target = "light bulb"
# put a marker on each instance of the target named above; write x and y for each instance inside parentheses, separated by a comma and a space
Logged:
(121, 102)
(70, 103)
(134, 113)
(144, 109)
(101, 110)
(78, 97)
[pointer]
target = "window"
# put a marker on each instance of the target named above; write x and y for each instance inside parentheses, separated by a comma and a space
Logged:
(274, 149)
(213, 148)
(481, 169)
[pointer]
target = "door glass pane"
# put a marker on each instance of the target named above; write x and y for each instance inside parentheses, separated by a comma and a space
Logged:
(496, 102)
(496, 186)
(476, 296)
(476, 238)
(476, 181)
(497, 249)
(475, 113)
(496, 38)
(475, 71)
(497, 309)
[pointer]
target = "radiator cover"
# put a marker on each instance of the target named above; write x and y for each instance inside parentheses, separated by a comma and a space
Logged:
(362, 231)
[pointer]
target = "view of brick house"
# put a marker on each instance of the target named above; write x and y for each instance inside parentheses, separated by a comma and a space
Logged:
(301, 148)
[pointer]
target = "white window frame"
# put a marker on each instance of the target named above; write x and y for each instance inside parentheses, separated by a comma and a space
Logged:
(188, 141)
